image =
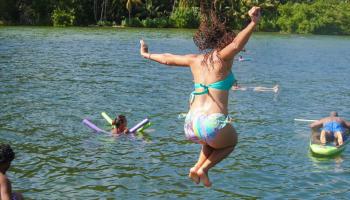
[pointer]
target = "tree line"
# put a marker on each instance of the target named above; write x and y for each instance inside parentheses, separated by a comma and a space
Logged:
(291, 16)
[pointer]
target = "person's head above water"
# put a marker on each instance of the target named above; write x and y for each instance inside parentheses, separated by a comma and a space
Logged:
(333, 114)
(119, 121)
(6, 153)
(6, 156)
(212, 34)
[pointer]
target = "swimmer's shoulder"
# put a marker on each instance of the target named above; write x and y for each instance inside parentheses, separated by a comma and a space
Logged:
(4, 180)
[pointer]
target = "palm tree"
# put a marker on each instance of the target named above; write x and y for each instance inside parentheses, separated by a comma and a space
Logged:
(130, 3)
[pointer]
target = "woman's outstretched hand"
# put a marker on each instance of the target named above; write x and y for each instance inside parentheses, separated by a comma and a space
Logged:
(254, 14)
(144, 49)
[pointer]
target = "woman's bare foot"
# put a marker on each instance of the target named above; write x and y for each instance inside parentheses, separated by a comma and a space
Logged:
(203, 176)
(193, 175)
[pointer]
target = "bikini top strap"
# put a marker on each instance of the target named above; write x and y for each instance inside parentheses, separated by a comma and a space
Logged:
(200, 85)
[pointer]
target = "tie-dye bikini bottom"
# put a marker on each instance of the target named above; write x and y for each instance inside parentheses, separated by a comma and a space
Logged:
(201, 128)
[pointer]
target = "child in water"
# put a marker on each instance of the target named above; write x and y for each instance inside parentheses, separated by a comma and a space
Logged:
(238, 87)
(6, 156)
(120, 125)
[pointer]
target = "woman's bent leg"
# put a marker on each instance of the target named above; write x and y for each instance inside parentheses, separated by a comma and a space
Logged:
(222, 145)
(203, 156)
(215, 157)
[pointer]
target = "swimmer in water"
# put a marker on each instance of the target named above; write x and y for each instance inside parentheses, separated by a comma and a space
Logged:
(238, 87)
(120, 125)
(274, 89)
(6, 157)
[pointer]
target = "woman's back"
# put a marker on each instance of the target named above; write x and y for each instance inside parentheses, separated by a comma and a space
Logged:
(217, 76)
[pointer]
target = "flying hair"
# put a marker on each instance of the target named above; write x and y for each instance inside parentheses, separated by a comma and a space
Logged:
(212, 34)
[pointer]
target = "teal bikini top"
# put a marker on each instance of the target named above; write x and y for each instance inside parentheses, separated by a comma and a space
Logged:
(225, 84)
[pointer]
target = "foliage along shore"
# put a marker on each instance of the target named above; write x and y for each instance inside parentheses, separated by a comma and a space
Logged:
(289, 16)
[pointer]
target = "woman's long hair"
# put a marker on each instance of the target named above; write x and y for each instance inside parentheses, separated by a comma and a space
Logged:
(212, 34)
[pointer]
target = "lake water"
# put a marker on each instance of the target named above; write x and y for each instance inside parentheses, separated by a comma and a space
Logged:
(53, 78)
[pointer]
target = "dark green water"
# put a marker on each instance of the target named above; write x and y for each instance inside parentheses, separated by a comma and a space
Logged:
(53, 78)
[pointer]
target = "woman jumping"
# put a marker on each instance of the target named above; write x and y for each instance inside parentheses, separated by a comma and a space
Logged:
(207, 121)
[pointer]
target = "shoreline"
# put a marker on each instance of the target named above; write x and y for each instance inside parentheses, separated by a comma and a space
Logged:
(149, 28)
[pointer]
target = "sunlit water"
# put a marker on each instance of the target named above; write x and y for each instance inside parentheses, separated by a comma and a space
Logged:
(51, 79)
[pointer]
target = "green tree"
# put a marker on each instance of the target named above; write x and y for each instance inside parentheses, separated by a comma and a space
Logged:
(320, 17)
(63, 17)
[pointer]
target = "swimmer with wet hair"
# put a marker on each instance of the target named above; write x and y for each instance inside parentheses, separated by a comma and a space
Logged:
(6, 157)
(120, 125)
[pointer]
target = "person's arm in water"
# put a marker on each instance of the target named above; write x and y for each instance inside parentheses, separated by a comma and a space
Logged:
(5, 188)
(242, 37)
(167, 58)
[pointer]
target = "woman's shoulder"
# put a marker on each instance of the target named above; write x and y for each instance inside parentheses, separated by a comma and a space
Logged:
(195, 59)
(194, 56)
(4, 179)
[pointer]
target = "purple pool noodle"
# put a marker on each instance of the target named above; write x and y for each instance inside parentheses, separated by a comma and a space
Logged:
(92, 126)
(139, 125)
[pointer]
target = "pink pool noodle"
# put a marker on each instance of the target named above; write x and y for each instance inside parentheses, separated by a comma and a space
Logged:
(139, 125)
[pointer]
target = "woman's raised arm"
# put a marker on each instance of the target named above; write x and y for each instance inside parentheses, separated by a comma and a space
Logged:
(167, 58)
(242, 37)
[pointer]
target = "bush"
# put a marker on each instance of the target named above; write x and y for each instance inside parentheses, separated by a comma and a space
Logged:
(149, 23)
(186, 17)
(133, 22)
(63, 17)
(162, 22)
(268, 25)
(104, 23)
